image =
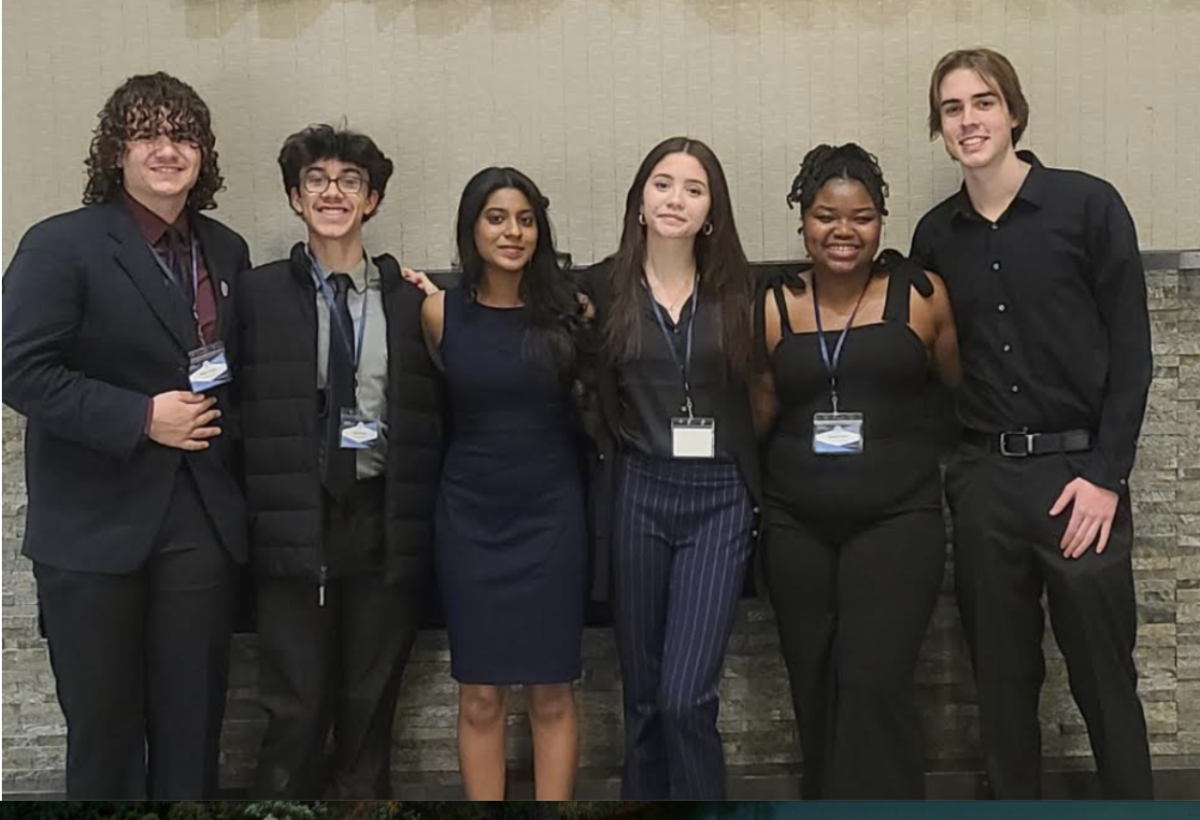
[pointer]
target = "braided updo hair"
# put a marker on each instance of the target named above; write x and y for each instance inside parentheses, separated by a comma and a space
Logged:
(826, 162)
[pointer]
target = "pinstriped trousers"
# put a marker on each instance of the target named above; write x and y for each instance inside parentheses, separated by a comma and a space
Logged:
(680, 547)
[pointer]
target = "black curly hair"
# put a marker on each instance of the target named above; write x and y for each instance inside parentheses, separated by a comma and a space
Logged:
(318, 142)
(826, 162)
(145, 106)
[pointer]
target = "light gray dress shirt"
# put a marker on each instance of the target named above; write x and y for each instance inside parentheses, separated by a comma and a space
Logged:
(373, 367)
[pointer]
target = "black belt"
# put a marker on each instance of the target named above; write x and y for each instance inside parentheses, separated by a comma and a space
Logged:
(1022, 443)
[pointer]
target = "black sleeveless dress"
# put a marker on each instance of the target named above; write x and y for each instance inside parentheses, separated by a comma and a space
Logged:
(510, 528)
(885, 374)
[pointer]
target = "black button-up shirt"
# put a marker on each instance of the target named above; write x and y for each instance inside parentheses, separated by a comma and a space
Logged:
(1050, 305)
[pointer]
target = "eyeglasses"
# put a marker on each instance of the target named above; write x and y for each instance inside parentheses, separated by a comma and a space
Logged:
(317, 182)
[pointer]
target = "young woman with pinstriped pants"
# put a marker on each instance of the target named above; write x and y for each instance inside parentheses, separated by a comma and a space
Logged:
(674, 313)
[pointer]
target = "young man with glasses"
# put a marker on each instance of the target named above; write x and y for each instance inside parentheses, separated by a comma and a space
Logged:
(1046, 281)
(343, 445)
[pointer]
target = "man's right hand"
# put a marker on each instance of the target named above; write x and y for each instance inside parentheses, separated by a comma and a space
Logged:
(181, 419)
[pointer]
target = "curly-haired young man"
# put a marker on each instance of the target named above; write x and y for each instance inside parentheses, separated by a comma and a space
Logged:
(117, 318)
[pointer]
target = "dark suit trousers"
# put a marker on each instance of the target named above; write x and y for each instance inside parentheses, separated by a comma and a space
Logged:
(336, 665)
(141, 662)
(1006, 553)
(681, 544)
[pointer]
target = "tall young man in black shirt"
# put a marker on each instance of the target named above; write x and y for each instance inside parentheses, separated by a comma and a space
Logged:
(1045, 277)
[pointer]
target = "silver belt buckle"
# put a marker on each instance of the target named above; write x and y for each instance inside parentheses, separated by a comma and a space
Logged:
(1029, 437)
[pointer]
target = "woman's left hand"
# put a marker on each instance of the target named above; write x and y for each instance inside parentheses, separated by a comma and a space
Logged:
(419, 279)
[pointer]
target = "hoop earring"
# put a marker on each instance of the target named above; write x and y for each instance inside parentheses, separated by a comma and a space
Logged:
(708, 228)
(641, 218)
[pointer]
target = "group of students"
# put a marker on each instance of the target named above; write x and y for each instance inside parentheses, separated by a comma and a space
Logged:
(637, 427)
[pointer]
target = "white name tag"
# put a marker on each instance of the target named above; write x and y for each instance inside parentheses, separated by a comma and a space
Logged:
(358, 433)
(208, 367)
(693, 438)
(837, 434)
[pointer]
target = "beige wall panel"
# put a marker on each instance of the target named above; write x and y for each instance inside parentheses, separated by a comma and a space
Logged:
(575, 92)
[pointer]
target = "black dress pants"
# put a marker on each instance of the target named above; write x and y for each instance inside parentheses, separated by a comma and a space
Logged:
(141, 662)
(852, 603)
(1006, 554)
(334, 664)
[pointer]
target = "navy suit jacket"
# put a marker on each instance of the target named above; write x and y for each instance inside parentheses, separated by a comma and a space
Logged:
(92, 331)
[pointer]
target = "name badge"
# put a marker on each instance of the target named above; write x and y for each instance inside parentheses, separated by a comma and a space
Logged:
(208, 367)
(837, 434)
(358, 433)
(693, 438)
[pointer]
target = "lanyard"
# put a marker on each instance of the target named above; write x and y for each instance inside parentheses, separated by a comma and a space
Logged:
(345, 334)
(685, 365)
(831, 361)
(170, 274)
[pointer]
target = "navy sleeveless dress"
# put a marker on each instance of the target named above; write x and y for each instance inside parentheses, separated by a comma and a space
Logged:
(510, 521)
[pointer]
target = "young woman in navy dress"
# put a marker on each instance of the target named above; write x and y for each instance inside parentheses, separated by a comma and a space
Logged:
(510, 525)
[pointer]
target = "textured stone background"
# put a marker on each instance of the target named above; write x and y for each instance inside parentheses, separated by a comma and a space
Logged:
(756, 718)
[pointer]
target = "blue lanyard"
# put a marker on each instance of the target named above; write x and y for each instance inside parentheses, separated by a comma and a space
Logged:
(831, 361)
(345, 334)
(685, 365)
(170, 274)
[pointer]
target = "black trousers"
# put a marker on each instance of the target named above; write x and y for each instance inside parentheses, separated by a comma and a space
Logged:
(1006, 554)
(141, 662)
(334, 665)
(852, 603)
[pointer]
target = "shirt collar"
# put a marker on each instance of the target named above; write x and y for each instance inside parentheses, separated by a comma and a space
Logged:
(151, 225)
(360, 274)
(1032, 190)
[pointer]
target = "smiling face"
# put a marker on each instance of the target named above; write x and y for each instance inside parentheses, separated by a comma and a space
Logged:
(842, 227)
(976, 123)
(676, 199)
(506, 231)
(160, 170)
(333, 198)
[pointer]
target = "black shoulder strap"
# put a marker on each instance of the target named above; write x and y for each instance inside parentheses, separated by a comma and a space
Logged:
(785, 323)
(903, 274)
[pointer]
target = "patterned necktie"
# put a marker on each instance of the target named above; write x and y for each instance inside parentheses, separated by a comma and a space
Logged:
(341, 383)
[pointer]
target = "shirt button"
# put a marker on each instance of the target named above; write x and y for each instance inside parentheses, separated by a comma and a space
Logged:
(1001, 307)
(995, 266)
(995, 227)
(1015, 389)
(1007, 348)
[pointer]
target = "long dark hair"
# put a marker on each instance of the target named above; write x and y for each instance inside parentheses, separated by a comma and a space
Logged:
(147, 105)
(549, 293)
(725, 278)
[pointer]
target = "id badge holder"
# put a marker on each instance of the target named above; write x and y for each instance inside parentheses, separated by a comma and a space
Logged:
(693, 437)
(358, 432)
(837, 434)
(208, 367)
